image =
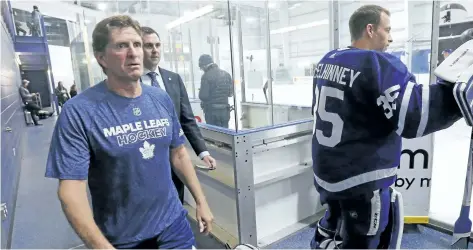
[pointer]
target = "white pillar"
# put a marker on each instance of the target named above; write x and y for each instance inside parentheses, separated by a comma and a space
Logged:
(409, 9)
(284, 22)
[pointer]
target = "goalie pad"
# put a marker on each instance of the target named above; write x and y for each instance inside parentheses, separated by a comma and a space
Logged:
(456, 63)
(392, 235)
(325, 238)
(397, 208)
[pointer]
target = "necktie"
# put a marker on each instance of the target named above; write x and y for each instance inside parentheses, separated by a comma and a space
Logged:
(154, 80)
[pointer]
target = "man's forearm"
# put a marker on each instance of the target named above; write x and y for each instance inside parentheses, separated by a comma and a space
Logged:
(186, 172)
(75, 205)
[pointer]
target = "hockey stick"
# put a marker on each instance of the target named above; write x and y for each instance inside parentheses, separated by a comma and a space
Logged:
(462, 227)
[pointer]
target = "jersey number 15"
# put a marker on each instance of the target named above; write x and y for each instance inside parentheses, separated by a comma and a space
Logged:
(335, 135)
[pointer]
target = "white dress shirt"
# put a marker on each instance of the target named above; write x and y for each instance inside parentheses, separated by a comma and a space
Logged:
(146, 79)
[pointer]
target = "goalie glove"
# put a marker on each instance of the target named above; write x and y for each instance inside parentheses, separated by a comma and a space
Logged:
(456, 63)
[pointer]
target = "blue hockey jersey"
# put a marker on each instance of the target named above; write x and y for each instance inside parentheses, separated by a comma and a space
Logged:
(364, 102)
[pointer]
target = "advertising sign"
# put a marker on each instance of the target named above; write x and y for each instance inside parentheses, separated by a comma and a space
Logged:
(415, 177)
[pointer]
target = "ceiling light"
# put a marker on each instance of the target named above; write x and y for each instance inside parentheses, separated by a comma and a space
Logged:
(102, 6)
(190, 16)
(299, 27)
(250, 19)
(294, 6)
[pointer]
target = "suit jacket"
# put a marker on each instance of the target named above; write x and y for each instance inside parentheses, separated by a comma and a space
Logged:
(177, 91)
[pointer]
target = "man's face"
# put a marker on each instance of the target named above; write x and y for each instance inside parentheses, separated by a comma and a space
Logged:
(151, 50)
(123, 55)
(381, 35)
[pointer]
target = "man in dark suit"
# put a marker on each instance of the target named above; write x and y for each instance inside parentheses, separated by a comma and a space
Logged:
(173, 85)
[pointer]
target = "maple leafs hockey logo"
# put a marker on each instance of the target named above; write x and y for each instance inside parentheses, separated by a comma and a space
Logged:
(147, 150)
(387, 100)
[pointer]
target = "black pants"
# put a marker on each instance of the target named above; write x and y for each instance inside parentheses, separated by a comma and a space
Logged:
(33, 108)
(35, 30)
(20, 30)
(217, 117)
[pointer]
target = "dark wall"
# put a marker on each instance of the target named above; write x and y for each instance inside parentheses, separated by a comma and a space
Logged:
(460, 32)
(12, 129)
(39, 83)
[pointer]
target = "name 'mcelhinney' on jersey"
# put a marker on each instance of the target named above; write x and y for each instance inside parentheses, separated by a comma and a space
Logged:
(336, 73)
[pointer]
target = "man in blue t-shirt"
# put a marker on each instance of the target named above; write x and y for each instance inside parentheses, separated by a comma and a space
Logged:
(364, 102)
(120, 136)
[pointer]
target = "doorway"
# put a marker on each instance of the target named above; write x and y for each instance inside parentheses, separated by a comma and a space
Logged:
(39, 83)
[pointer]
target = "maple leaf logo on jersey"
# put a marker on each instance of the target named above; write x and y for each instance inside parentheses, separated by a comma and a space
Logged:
(181, 132)
(137, 111)
(147, 150)
(387, 100)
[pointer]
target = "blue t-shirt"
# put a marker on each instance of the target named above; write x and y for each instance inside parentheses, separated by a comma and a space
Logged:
(122, 146)
(365, 102)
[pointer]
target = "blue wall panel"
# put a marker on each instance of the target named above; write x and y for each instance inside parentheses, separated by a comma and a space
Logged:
(8, 100)
(12, 129)
(7, 89)
(420, 61)
(34, 46)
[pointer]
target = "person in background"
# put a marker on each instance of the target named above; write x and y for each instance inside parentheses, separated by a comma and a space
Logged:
(36, 22)
(446, 53)
(61, 93)
(215, 88)
(19, 30)
(73, 90)
(171, 82)
(30, 105)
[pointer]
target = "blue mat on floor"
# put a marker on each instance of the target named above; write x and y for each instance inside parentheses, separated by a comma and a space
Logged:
(39, 220)
(420, 238)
